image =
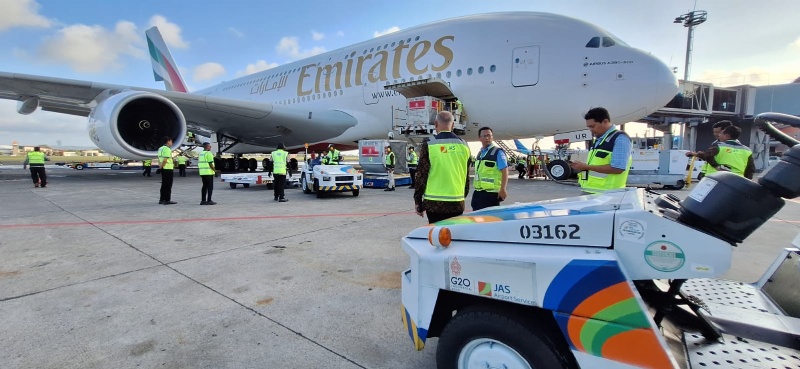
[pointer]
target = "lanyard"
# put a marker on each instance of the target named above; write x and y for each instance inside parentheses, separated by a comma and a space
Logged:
(486, 152)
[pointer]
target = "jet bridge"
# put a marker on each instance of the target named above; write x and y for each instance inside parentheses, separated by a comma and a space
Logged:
(424, 99)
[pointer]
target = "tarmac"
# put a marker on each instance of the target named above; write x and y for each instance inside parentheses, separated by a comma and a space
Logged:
(95, 273)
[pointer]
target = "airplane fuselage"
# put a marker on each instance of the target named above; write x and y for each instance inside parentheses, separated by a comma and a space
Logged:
(523, 74)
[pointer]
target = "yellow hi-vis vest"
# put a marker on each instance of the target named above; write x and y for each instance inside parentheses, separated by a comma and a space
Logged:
(412, 158)
(204, 163)
(279, 161)
(733, 155)
(181, 160)
(487, 177)
(165, 153)
(389, 159)
(600, 154)
(147, 163)
(331, 158)
(449, 157)
(36, 158)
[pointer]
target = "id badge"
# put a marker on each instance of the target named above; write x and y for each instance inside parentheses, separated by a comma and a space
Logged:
(585, 175)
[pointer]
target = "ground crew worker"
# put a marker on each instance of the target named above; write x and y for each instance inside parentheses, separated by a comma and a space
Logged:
(190, 136)
(36, 160)
(332, 156)
(205, 165)
(609, 158)
(532, 161)
(412, 159)
(717, 129)
(148, 166)
(388, 162)
(166, 165)
(729, 154)
(442, 180)
(279, 159)
(491, 173)
(181, 166)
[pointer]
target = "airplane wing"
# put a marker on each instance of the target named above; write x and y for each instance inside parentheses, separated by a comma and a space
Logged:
(256, 123)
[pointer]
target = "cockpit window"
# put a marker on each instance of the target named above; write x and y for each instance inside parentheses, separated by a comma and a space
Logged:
(608, 41)
(594, 42)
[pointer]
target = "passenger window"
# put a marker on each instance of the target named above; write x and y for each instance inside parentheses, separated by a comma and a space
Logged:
(594, 42)
(608, 41)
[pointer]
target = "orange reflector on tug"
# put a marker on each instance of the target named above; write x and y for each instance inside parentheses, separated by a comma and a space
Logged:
(440, 236)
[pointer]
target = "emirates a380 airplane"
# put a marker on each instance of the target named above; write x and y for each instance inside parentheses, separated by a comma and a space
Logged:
(522, 73)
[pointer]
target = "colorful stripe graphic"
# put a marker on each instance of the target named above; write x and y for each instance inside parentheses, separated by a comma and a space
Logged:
(598, 313)
(484, 288)
(163, 66)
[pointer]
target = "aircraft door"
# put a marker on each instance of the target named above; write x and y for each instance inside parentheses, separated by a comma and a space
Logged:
(370, 91)
(525, 66)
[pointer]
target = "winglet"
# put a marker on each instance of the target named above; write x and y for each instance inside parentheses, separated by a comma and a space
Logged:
(164, 67)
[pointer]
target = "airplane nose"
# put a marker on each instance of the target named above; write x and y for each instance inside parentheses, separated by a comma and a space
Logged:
(666, 86)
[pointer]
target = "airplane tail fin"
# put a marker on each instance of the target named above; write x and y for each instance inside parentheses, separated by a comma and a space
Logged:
(164, 67)
(521, 148)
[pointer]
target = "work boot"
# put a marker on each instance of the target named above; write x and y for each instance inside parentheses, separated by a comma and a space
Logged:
(283, 199)
(169, 202)
(36, 185)
(209, 202)
(161, 202)
(389, 189)
(203, 202)
(276, 198)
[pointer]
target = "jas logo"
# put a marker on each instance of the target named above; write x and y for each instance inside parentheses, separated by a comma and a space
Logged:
(486, 288)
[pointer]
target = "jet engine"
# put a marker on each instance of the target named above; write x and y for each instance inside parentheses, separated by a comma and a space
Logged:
(132, 124)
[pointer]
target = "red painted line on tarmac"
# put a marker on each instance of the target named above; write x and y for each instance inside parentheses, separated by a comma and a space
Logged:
(189, 220)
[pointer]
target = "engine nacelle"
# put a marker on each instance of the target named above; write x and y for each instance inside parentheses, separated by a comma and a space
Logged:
(28, 105)
(131, 124)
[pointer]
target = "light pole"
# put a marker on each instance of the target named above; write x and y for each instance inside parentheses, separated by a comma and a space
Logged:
(690, 20)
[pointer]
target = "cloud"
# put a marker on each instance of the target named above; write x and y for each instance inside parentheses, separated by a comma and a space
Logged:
(317, 35)
(170, 31)
(386, 31)
(796, 44)
(208, 71)
(41, 127)
(290, 46)
(236, 32)
(93, 49)
(21, 13)
(257, 67)
(340, 33)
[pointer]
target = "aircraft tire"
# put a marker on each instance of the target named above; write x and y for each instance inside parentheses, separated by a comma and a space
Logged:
(499, 337)
(559, 169)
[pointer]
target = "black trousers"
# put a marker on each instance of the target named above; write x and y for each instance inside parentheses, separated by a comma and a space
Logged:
(147, 171)
(483, 199)
(208, 187)
(278, 185)
(412, 172)
(435, 217)
(166, 185)
(182, 170)
(38, 173)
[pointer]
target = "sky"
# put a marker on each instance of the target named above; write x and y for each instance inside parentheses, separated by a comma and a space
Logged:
(743, 42)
